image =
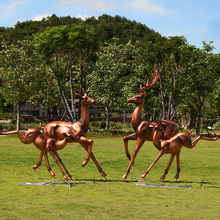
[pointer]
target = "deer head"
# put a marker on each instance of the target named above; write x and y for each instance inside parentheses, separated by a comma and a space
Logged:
(86, 100)
(138, 99)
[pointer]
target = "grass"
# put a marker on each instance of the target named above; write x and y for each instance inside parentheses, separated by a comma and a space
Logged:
(93, 197)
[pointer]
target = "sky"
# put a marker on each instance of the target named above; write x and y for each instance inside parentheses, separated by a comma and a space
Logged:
(196, 20)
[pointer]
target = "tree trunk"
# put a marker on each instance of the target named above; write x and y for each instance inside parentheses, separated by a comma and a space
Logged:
(65, 104)
(162, 97)
(18, 117)
(107, 125)
(72, 95)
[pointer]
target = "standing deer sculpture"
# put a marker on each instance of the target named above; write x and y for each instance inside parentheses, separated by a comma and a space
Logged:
(45, 144)
(78, 129)
(172, 146)
(143, 130)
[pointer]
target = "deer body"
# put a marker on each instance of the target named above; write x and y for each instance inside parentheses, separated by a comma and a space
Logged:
(144, 130)
(78, 129)
(44, 144)
(173, 147)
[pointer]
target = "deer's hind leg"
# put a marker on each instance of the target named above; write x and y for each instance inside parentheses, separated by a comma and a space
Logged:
(178, 165)
(168, 167)
(24, 138)
(61, 162)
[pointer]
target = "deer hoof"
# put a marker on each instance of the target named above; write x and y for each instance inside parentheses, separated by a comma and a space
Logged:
(84, 163)
(35, 167)
(65, 177)
(163, 177)
(52, 173)
(103, 174)
(176, 176)
(125, 176)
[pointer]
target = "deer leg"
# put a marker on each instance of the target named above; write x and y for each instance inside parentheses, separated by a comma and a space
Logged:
(88, 143)
(95, 161)
(178, 165)
(137, 148)
(48, 165)
(24, 138)
(39, 161)
(168, 167)
(209, 139)
(150, 167)
(126, 139)
(61, 162)
(52, 154)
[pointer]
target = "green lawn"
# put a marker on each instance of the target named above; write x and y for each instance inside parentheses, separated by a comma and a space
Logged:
(93, 197)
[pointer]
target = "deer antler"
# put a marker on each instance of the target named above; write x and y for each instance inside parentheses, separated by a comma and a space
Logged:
(148, 85)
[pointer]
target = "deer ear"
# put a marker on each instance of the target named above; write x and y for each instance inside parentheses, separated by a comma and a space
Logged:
(85, 94)
(78, 95)
(143, 95)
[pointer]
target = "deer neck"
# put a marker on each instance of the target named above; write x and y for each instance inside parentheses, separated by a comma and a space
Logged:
(136, 116)
(84, 120)
(156, 141)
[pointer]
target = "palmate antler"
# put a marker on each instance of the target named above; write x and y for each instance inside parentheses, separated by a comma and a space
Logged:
(148, 85)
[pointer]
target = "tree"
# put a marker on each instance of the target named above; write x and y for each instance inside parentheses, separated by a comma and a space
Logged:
(22, 73)
(108, 79)
(165, 53)
(68, 51)
(199, 79)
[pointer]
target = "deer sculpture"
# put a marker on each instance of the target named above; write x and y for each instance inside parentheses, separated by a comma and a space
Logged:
(45, 144)
(173, 146)
(56, 130)
(143, 129)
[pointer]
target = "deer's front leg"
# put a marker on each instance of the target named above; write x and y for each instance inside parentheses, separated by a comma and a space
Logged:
(61, 162)
(137, 148)
(39, 161)
(126, 139)
(150, 167)
(52, 154)
(48, 164)
(88, 143)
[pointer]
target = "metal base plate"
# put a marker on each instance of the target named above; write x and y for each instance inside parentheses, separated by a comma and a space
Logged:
(64, 183)
(150, 183)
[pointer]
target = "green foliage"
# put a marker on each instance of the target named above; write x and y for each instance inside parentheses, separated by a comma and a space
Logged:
(22, 71)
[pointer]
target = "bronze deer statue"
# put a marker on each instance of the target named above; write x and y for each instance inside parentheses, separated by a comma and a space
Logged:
(78, 129)
(44, 144)
(143, 130)
(173, 146)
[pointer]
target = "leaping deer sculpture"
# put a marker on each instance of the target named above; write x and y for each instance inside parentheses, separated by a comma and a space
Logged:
(173, 145)
(44, 144)
(78, 129)
(143, 130)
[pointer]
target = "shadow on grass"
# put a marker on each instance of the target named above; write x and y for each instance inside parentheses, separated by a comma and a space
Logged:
(202, 183)
(166, 182)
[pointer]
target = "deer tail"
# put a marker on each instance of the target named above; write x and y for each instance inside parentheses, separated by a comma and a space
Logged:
(41, 125)
(182, 127)
(190, 132)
